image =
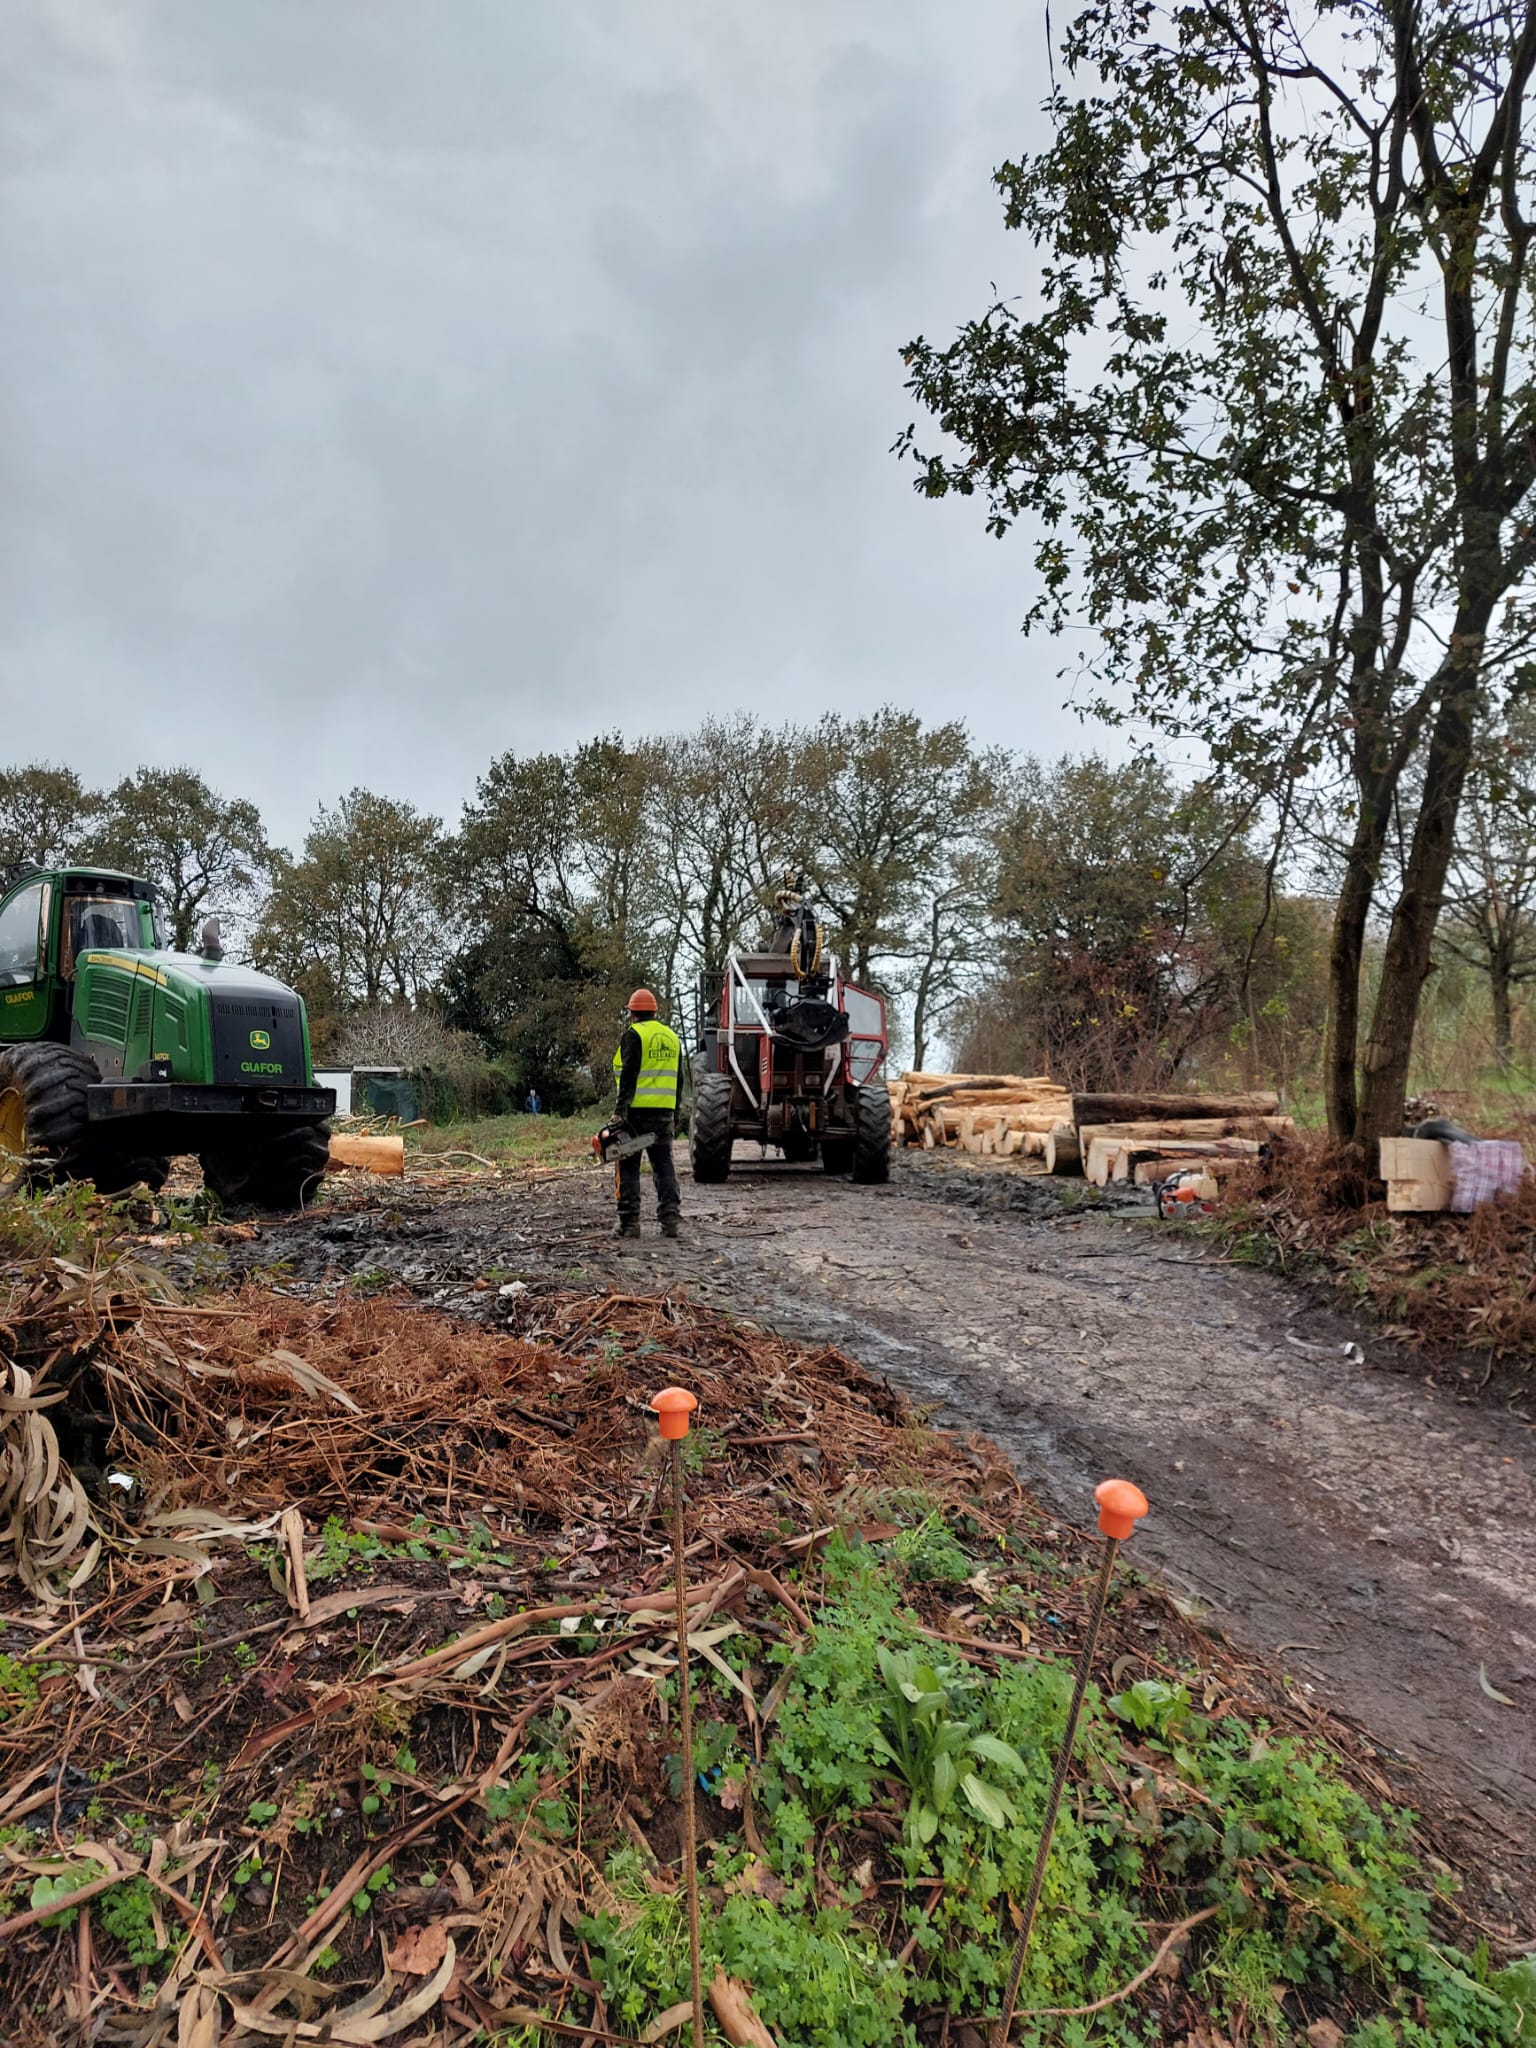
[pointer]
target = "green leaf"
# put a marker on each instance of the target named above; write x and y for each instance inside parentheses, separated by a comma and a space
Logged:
(925, 1822)
(989, 1803)
(945, 1778)
(1517, 1987)
(997, 1752)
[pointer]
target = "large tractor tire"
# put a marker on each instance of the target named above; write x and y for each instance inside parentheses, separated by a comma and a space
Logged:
(274, 1170)
(709, 1129)
(872, 1133)
(45, 1136)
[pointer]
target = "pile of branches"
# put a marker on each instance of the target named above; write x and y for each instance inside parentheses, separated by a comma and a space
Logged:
(491, 1505)
(1459, 1281)
(278, 1771)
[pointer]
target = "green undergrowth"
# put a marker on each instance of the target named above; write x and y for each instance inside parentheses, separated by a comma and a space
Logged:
(900, 1799)
(74, 1223)
(512, 1140)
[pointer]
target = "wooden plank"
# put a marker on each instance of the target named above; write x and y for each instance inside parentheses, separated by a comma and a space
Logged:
(1418, 1175)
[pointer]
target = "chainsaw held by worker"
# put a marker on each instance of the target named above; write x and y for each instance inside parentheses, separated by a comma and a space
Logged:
(618, 1141)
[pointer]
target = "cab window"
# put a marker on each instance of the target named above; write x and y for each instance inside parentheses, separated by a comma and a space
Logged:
(20, 929)
(100, 924)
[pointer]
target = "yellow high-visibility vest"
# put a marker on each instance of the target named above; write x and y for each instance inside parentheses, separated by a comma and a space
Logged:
(661, 1059)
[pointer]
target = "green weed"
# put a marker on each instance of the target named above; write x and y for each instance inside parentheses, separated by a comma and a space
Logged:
(127, 1913)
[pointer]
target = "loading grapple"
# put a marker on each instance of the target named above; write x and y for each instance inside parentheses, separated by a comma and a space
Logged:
(790, 1055)
(117, 1052)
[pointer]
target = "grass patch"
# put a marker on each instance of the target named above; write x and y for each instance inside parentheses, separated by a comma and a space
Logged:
(512, 1140)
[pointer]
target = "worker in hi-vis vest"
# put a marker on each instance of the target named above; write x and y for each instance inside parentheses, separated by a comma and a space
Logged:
(647, 1072)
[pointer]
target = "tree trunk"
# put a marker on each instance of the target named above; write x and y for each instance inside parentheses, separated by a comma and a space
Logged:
(1346, 956)
(1406, 964)
(1503, 1018)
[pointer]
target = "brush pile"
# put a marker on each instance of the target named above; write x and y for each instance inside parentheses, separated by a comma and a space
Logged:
(347, 1714)
(1463, 1283)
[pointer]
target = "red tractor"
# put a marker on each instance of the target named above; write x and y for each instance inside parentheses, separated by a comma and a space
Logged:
(790, 1055)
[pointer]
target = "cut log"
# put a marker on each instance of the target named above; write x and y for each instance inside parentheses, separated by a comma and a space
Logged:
(1129, 1109)
(1191, 1127)
(373, 1155)
(1061, 1150)
(1113, 1159)
(1418, 1174)
(985, 1085)
(1146, 1171)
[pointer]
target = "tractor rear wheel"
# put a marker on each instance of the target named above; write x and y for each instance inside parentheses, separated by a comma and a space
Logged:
(273, 1170)
(872, 1133)
(45, 1135)
(709, 1129)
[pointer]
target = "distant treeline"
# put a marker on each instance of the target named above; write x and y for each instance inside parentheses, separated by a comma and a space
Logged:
(1098, 921)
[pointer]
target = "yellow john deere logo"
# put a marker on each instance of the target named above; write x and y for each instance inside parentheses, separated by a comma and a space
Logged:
(260, 1040)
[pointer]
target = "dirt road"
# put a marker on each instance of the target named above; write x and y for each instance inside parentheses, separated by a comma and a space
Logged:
(1377, 1533)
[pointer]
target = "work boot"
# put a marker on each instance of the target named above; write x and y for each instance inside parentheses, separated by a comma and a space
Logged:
(670, 1226)
(628, 1229)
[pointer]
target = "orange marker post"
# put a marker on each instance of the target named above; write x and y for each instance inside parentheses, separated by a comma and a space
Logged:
(1121, 1507)
(673, 1406)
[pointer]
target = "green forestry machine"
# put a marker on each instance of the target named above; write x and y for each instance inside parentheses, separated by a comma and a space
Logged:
(117, 1053)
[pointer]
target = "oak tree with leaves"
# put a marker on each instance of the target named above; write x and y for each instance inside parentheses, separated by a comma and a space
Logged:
(1269, 413)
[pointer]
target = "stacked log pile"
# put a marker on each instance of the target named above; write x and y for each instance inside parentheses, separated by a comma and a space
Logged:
(1104, 1137)
(999, 1116)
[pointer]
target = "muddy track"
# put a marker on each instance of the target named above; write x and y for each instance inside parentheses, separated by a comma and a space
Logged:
(1374, 1532)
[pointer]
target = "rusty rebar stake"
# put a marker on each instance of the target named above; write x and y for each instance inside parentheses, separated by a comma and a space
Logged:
(1121, 1506)
(685, 1715)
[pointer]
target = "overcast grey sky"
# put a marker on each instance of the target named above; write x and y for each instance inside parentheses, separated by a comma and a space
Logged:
(391, 382)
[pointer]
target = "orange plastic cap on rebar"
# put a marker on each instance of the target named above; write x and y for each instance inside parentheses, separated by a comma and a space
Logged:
(673, 1406)
(1121, 1507)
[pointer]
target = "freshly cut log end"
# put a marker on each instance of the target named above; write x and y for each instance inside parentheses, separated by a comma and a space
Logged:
(1061, 1151)
(374, 1155)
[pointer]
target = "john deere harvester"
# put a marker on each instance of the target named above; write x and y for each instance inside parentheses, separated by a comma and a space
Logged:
(117, 1053)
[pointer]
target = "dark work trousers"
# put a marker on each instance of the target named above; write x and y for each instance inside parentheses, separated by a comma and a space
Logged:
(668, 1200)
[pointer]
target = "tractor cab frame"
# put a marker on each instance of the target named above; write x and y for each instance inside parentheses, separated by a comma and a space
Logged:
(791, 1056)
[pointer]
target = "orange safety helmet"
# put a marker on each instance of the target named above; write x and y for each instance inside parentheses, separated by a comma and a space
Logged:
(642, 1003)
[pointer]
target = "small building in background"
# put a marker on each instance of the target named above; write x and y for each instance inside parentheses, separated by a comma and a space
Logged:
(372, 1091)
(342, 1083)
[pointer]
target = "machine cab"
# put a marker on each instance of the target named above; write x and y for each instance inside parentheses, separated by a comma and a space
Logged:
(48, 919)
(759, 1016)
